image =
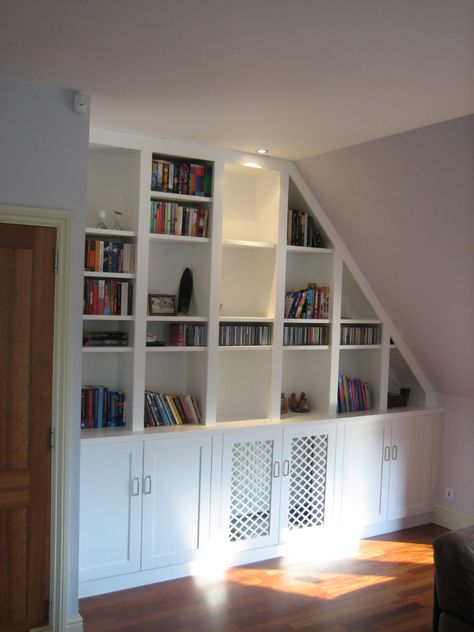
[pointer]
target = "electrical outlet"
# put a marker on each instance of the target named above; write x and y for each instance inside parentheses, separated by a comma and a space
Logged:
(449, 493)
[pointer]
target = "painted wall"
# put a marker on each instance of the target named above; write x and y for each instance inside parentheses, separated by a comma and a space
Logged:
(43, 163)
(404, 205)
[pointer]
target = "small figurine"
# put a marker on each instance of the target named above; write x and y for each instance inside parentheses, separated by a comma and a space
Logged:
(293, 403)
(101, 216)
(118, 221)
(300, 405)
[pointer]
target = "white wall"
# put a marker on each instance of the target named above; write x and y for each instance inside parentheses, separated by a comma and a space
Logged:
(43, 163)
(404, 205)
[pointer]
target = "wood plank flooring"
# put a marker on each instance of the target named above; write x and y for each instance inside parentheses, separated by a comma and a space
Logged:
(387, 585)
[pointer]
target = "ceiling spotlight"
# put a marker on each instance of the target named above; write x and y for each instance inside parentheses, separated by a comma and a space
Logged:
(261, 150)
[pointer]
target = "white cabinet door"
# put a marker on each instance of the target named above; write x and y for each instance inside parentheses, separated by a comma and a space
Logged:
(307, 483)
(110, 509)
(251, 471)
(410, 468)
(366, 469)
(176, 493)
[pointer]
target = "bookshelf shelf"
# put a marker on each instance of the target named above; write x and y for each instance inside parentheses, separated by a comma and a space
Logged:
(109, 232)
(245, 347)
(360, 321)
(179, 197)
(307, 321)
(246, 319)
(305, 347)
(111, 349)
(155, 237)
(174, 349)
(107, 318)
(239, 243)
(176, 319)
(351, 347)
(306, 250)
(109, 275)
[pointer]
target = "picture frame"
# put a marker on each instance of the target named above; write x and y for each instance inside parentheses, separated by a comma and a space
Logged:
(161, 304)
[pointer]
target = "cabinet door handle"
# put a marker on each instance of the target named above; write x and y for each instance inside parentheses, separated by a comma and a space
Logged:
(394, 452)
(286, 467)
(387, 453)
(147, 485)
(135, 486)
(276, 469)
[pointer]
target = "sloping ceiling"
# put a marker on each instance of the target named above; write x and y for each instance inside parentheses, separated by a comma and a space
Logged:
(404, 206)
(301, 77)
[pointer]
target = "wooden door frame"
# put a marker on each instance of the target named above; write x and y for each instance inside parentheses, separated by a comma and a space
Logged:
(65, 224)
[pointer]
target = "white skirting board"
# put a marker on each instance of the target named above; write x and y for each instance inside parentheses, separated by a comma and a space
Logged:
(451, 519)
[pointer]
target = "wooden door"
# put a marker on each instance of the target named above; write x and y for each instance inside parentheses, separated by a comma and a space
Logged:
(26, 345)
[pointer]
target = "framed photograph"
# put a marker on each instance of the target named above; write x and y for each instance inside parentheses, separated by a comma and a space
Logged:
(161, 304)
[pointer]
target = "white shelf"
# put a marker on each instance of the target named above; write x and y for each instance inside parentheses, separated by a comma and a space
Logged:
(305, 250)
(109, 232)
(305, 347)
(173, 349)
(109, 275)
(245, 347)
(179, 238)
(306, 321)
(179, 197)
(349, 347)
(176, 319)
(103, 318)
(360, 321)
(245, 319)
(240, 243)
(107, 349)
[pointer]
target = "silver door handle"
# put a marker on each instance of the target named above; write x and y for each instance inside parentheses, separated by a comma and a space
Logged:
(276, 469)
(135, 486)
(387, 453)
(394, 452)
(286, 467)
(147, 485)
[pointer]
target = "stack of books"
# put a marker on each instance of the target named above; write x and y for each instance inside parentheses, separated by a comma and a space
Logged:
(171, 410)
(107, 297)
(185, 178)
(310, 302)
(353, 395)
(239, 335)
(184, 335)
(105, 339)
(109, 256)
(302, 231)
(171, 218)
(102, 407)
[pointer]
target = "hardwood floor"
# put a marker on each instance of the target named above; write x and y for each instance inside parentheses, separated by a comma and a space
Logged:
(388, 585)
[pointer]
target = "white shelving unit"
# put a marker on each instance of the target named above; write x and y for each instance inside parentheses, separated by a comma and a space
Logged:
(241, 272)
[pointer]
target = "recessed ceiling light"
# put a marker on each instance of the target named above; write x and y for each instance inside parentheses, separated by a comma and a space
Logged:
(261, 150)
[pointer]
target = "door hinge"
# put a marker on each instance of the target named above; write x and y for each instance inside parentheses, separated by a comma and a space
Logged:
(52, 439)
(55, 260)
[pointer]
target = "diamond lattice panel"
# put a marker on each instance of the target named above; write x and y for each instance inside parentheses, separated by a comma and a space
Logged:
(251, 490)
(308, 481)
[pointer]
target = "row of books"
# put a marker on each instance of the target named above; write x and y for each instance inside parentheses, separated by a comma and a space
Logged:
(109, 256)
(171, 218)
(105, 339)
(102, 407)
(186, 178)
(294, 335)
(171, 410)
(184, 335)
(107, 297)
(302, 230)
(237, 334)
(310, 302)
(353, 394)
(360, 335)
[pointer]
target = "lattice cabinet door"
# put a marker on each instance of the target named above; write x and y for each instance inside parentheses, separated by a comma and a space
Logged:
(307, 479)
(251, 488)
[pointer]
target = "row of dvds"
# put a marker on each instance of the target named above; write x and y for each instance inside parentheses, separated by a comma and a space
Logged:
(235, 334)
(171, 218)
(184, 335)
(184, 178)
(107, 297)
(102, 407)
(171, 410)
(360, 335)
(310, 302)
(294, 335)
(109, 256)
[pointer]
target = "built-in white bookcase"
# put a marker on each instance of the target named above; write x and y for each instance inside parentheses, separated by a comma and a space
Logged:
(242, 269)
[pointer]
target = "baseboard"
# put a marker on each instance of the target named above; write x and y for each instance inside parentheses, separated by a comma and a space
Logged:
(451, 519)
(75, 624)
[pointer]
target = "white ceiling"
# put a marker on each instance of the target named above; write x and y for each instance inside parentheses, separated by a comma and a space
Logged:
(301, 77)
